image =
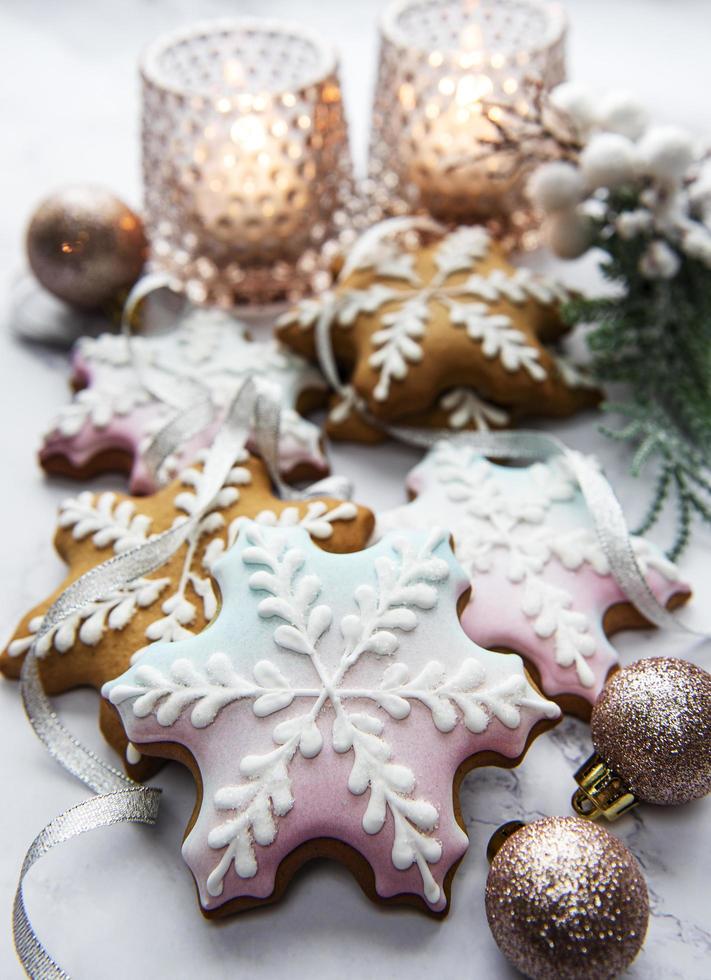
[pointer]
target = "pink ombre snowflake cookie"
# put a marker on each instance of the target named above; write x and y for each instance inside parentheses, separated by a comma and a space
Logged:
(541, 584)
(115, 412)
(329, 709)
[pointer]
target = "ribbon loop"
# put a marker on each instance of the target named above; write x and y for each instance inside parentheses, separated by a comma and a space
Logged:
(339, 487)
(133, 804)
(190, 390)
(69, 752)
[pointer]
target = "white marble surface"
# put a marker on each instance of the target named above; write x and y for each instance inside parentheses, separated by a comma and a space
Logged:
(120, 903)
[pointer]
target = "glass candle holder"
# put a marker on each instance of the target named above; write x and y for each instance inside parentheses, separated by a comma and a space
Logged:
(246, 163)
(458, 82)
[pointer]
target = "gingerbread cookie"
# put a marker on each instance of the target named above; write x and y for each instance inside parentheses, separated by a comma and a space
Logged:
(459, 409)
(412, 325)
(541, 584)
(97, 642)
(115, 413)
(329, 709)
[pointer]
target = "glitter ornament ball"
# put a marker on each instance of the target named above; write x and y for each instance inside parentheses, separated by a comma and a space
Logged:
(566, 900)
(652, 726)
(85, 246)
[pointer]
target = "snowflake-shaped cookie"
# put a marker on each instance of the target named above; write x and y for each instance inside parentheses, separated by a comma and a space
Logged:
(541, 584)
(113, 416)
(448, 327)
(334, 697)
(96, 643)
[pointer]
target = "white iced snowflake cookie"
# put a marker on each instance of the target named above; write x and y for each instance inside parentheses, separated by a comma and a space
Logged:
(113, 416)
(541, 584)
(332, 700)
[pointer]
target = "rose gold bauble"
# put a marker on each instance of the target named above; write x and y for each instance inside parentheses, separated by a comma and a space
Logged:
(85, 245)
(566, 900)
(652, 726)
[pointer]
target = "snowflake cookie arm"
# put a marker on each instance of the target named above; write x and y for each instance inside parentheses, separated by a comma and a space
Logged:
(108, 393)
(296, 328)
(90, 529)
(100, 521)
(96, 407)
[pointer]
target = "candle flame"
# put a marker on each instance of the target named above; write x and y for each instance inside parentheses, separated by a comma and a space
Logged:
(249, 134)
(471, 88)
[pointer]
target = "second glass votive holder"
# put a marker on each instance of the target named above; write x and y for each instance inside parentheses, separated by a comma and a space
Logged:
(455, 77)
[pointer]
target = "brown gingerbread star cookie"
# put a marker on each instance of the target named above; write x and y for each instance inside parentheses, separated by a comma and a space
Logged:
(416, 327)
(97, 643)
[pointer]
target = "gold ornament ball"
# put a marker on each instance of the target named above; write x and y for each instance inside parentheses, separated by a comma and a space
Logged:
(566, 900)
(86, 246)
(652, 725)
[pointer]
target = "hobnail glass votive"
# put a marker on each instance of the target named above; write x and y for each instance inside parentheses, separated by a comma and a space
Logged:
(246, 163)
(455, 78)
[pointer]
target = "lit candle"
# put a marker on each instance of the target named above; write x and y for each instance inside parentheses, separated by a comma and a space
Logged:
(460, 167)
(451, 72)
(245, 158)
(254, 183)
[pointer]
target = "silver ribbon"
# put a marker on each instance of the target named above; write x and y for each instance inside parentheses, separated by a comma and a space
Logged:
(606, 512)
(118, 800)
(138, 805)
(190, 391)
(191, 399)
(255, 407)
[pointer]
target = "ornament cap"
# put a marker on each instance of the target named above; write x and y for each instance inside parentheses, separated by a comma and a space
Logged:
(500, 836)
(602, 791)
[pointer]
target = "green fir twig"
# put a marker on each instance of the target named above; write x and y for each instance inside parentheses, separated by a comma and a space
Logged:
(654, 338)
